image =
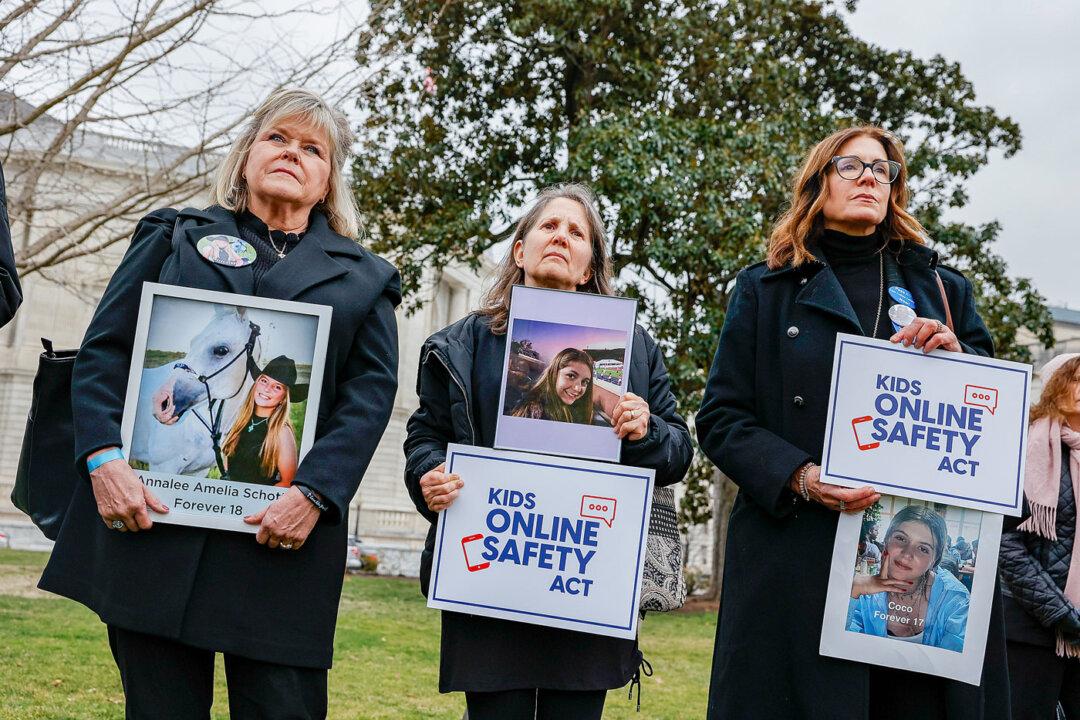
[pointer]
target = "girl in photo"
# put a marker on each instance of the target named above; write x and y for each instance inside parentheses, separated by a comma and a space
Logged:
(564, 392)
(911, 599)
(261, 446)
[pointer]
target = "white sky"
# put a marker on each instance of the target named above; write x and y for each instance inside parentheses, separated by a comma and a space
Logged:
(1024, 61)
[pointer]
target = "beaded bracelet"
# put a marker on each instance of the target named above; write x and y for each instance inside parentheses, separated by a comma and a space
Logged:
(802, 480)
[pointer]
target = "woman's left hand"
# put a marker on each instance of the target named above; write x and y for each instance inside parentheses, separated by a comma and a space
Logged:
(286, 522)
(631, 417)
(928, 335)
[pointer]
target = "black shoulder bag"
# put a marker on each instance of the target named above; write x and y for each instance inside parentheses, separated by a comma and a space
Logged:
(46, 477)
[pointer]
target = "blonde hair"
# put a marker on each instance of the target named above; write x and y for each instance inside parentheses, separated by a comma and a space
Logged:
(545, 391)
(278, 419)
(1055, 387)
(803, 221)
(496, 301)
(230, 189)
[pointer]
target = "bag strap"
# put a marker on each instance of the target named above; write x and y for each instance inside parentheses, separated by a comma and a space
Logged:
(945, 300)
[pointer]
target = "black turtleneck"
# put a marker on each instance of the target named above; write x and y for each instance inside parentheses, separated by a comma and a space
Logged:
(856, 262)
(255, 231)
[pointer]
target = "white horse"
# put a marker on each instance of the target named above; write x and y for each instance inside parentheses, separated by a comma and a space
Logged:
(167, 434)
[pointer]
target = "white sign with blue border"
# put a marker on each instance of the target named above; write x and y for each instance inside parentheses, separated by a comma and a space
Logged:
(945, 427)
(543, 540)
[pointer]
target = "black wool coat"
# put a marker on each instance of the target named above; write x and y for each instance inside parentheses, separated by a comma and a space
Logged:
(10, 292)
(216, 589)
(762, 416)
(458, 380)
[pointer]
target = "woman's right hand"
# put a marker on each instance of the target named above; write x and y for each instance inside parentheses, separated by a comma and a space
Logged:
(854, 499)
(440, 489)
(120, 495)
(873, 584)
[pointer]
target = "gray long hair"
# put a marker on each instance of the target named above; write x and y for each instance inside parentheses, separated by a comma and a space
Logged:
(230, 189)
(496, 301)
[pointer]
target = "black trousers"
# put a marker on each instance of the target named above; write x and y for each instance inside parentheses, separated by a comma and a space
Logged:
(539, 704)
(167, 680)
(1039, 680)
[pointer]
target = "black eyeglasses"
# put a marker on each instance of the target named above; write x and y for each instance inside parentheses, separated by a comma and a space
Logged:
(850, 167)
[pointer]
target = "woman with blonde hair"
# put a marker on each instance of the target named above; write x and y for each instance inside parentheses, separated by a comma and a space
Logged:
(172, 596)
(847, 257)
(564, 392)
(510, 670)
(1039, 563)
(260, 447)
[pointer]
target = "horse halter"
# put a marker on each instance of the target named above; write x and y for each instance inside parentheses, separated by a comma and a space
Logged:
(214, 426)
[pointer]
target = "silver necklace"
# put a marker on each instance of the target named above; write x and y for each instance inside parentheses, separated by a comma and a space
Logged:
(252, 425)
(881, 290)
(284, 244)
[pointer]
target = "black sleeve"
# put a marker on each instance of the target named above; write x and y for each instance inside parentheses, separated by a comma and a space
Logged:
(10, 291)
(364, 400)
(971, 331)
(429, 430)
(666, 448)
(99, 378)
(758, 460)
(1029, 583)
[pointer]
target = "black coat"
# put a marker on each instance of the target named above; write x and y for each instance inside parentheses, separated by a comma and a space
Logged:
(458, 384)
(216, 589)
(763, 415)
(1035, 569)
(10, 292)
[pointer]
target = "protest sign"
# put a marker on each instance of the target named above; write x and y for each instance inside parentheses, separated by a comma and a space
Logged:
(543, 540)
(946, 427)
(567, 363)
(222, 400)
(911, 587)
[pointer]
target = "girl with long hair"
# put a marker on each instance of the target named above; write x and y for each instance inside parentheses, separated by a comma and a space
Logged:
(564, 392)
(261, 446)
(910, 598)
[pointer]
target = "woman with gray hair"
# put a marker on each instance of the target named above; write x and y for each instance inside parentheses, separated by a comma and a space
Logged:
(284, 226)
(510, 670)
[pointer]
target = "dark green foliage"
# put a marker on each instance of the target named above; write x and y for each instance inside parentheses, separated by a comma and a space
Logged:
(688, 118)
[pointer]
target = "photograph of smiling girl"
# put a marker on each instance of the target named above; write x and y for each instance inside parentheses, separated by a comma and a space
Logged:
(914, 568)
(565, 369)
(239, 372)
(564, 373)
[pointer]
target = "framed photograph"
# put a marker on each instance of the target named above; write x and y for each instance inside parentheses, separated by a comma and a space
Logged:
(911, 586)
(543, 540)
(566, 366)
(222, 400)
(944, 427)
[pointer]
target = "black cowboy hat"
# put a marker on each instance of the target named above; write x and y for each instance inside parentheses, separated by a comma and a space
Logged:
(282, 369)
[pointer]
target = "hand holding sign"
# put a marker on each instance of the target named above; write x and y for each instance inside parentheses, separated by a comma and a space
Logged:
(927, 334)
(831, 496)
(439, 488)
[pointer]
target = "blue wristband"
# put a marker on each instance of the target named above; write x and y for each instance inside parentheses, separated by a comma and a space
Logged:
(101, 458)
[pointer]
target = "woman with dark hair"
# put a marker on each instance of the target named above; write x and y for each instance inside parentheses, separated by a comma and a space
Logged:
(1039, 563)
(510, 670)
(260, 447)
(910, 599)
(564, 392)
(846, 256)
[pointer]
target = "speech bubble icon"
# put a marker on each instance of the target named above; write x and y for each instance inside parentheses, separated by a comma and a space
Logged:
(980, 396)
(598, 508)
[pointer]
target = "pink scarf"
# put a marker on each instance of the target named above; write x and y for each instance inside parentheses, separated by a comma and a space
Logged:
(1042, 482)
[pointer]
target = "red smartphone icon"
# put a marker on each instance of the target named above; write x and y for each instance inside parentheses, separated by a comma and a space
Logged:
(465, 549)
(865, 443)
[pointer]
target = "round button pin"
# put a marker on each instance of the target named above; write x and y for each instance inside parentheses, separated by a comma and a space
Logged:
(902, 315)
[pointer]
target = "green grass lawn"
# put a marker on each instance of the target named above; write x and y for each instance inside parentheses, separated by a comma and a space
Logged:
(55, 661)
